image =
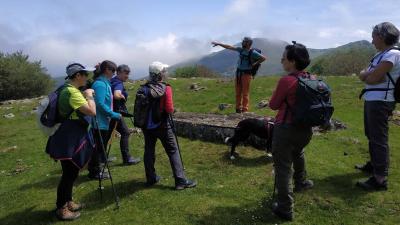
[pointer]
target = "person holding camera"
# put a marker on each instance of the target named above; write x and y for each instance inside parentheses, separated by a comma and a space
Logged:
(379, 102)
(162, 128)
(289, 140)
(72, 143)
(120, 97)
(248, 58)
(104, 108)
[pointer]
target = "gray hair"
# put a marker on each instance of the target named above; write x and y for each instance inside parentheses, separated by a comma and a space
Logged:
(388, 32)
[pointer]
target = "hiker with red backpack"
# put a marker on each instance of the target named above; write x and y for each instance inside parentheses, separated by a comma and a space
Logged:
(152, 112)
(380, 96)
(249, 61)
(72, 144)
(302, 102)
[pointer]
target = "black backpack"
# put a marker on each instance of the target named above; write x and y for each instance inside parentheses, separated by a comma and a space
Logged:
(254, 69)
(147, 104)
(396, 84)
(313, 106)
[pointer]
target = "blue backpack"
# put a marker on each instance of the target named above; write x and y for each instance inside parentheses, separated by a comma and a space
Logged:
(47, 113)
(50, 116)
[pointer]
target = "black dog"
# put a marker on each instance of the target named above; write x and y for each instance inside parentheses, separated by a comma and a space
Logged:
(262, 128)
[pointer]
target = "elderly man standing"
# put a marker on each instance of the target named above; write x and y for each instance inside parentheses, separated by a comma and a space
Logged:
(248, 58)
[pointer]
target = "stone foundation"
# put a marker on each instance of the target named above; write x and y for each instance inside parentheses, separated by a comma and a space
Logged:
(215, 127)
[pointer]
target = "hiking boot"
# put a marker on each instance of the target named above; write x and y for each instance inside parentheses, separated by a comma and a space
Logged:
(73, 206)
(367, 167)
(372, 185)
(238, 111)
(131, 161)
(65, 214)
(283, 215)
(305, 185)
(99, 175)
(153, 181)
(181, 184)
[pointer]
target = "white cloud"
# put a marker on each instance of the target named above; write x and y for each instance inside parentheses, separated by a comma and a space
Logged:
(56, 52)
(242, 13)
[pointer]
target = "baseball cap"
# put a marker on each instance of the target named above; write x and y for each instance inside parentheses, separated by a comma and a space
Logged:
(74, 68)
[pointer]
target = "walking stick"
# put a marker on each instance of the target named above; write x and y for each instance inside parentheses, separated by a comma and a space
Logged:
(273, 193)
(106, 165)
(176, 138)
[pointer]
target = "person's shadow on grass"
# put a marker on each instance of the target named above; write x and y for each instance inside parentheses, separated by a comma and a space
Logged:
(123, 189)
(29, 216)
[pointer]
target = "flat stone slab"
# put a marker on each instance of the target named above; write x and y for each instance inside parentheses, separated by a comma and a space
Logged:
(216, 127)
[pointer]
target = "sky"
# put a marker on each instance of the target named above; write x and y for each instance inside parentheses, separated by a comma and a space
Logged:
(136, 33)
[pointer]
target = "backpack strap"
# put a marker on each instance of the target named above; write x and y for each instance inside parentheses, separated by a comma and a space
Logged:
(391, 80)
(249, 58)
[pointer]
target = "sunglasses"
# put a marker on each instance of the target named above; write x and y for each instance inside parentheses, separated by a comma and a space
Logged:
(84, 73)
(112, 69)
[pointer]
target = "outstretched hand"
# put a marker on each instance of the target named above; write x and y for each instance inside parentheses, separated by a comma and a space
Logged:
(214, 43)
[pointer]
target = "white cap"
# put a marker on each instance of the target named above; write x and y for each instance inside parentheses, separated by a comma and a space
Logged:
(157, 67)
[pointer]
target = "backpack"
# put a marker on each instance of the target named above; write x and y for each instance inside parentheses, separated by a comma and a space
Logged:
(146, 111)
(47, 113)
(396, 84)
(313, 106)
(254, 69)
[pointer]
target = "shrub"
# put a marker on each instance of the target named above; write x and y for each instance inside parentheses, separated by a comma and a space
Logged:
(20, 78)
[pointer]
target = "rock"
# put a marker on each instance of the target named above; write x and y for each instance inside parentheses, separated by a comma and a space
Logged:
(8, 102)
(7, 107)
(135, 130)
(9, 116)
(9, 149)
(194, 86)
(262, 104)
(199, 88)
(172, 78)
(223, 106)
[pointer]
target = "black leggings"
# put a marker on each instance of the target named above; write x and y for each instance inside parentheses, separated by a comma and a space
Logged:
(64, 190)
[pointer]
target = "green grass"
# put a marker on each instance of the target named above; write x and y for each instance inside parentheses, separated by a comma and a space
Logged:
(228, 192)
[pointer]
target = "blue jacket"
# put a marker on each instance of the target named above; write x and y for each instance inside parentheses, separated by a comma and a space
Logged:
(103, 98)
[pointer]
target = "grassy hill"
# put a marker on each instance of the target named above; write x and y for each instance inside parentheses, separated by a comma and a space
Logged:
(344, 60)
(229, 192)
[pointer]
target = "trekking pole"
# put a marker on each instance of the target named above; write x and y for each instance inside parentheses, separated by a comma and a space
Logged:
(176, 138)
(106, 165)
(273, 193)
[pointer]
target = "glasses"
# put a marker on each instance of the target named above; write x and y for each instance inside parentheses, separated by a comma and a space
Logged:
(126, 71)
(112, 69)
